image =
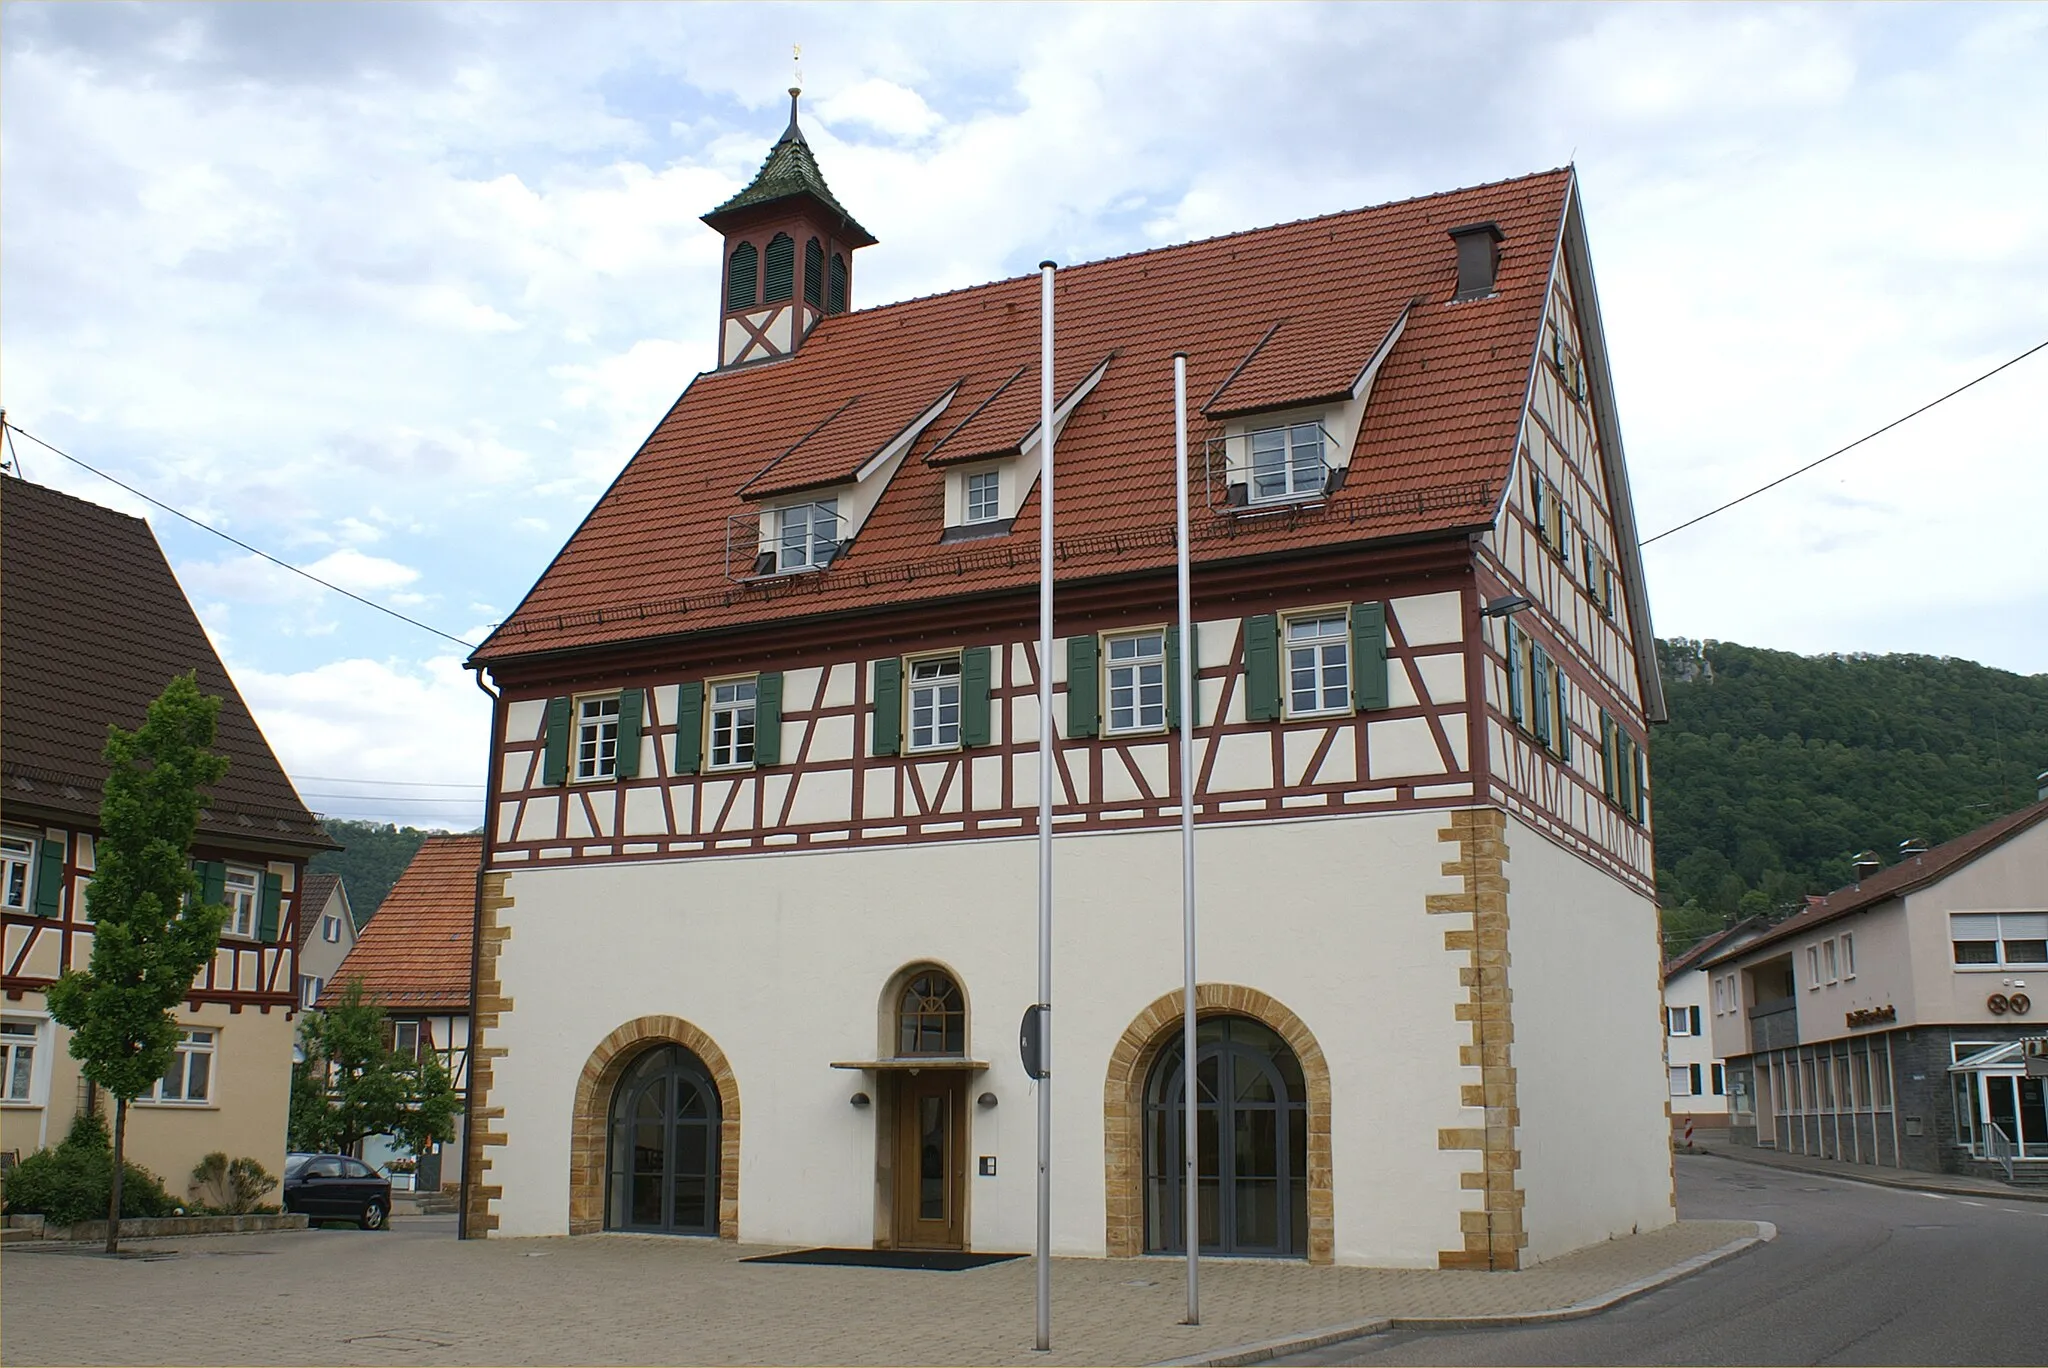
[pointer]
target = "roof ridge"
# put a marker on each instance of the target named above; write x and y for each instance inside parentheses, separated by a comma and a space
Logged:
(55, 492)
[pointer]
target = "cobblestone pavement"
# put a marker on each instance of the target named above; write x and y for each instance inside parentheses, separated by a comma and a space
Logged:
(416, 1295)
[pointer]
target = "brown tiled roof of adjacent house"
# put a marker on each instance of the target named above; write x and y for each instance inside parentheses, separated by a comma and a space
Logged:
(1913, 872)
(314, 891)
(1710, 945)
(415, 952)
(1436, 446)
(93, 625)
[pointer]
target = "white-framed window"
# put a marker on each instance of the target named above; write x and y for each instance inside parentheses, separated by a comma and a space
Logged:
(18, 871)
(1136, 665)
(1682, 1021)
(18, 1041)
(1318, 664)
(242, 891)
(807, 535)
(732, 723)
(1685, 1080)
(1848, 955)
(935, 703)
(309, 989)
(330, 929)
(1813, 966)
(1990, 938)
(984, 501)
(405, 1039)
(1720, 997)
(1287, 463)
(190, 1078)
(597, 739)
(1830, 960)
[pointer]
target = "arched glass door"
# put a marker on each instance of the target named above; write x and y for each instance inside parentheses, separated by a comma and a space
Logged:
(663, 1171)
(1251, 1119)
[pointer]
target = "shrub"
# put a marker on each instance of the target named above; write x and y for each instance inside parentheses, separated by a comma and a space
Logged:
(69, 1184)
(230, 1187)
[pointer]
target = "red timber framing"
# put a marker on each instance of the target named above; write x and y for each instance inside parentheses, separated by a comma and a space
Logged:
(243, 973)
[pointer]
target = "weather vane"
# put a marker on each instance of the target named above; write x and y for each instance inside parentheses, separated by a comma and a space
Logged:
(796, 70)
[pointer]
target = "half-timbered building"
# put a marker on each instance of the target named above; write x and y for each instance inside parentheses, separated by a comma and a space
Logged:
(95, 626)
(414, 960)
(757, 921)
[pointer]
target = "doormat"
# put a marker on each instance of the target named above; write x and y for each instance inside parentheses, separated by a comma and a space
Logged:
(928, 1260)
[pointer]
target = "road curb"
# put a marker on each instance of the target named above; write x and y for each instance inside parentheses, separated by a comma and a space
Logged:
(1879, 1178)
(1262, 1351)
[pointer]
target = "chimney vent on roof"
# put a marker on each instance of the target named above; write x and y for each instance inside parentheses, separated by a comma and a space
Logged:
(1912, 845)
(1478, 258)
(1866, 860)
(2041, 786)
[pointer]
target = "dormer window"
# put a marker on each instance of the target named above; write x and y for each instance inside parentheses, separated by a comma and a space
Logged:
(806, 535)
(1287, 463)
(984, 497)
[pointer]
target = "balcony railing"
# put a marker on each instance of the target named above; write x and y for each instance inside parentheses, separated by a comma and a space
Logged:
(1269, 471)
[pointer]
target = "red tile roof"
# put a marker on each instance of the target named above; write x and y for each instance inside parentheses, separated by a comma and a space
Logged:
(1904, 877)
(92, 627)
(835, 450)
(415, 952)
(1434, 452)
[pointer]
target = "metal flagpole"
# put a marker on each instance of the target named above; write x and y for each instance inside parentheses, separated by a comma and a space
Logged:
(1190, 709)
(1045, 775)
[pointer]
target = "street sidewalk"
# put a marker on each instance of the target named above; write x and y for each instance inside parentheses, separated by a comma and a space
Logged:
(1911, 1179)
(623, 1299)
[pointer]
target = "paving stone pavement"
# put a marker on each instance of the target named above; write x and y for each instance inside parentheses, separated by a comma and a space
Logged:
(415, 1295)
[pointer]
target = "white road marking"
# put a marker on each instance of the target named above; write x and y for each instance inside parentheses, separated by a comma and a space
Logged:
(1974, 1204)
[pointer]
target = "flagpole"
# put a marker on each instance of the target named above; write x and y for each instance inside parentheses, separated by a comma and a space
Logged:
(1045, 775)
(1190, 711)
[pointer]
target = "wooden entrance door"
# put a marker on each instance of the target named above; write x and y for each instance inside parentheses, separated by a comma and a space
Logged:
(931, 1160)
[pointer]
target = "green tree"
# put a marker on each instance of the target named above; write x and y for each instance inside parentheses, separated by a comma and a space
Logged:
(151, 933)
(354, 1085)
(376, 854)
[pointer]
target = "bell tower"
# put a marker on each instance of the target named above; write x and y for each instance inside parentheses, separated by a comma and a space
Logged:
(788, 254)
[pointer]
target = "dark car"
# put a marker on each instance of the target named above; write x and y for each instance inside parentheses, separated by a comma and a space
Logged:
(334, 1187)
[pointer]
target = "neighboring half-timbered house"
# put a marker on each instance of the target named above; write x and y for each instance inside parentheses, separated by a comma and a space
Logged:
(95, 626)
(763, 776)
(414, 959)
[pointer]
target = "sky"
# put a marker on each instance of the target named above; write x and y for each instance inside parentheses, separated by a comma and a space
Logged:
(393, 291)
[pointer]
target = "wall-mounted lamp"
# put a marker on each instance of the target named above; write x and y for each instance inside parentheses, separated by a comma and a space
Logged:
(987, 1099)
(860, 1099)
(1505, 605)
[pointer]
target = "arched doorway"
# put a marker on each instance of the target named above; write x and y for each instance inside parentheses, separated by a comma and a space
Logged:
(926, 1126)
(663, 1171)
(1252, 1141)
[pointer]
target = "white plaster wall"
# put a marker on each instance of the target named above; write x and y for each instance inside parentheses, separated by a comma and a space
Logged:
(1694, 989)
(1585, 969)
(782, 961)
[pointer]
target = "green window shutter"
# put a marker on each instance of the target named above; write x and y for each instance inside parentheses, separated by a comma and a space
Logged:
(1607, 754)
(1369, 655)
(1262, 668)
(213, 882)
(814, 273)
(742, 277)
(888, 708)
(1173, 678)
(49, 878)
(1638, 779)
(690, 727)
(1539, 693)
(632, 703)
(974, 670)
(554, 765)
(1514, 672)
(1562, 703)
(778, 269)
(1084, 686)
(267, 909)
(768, 718)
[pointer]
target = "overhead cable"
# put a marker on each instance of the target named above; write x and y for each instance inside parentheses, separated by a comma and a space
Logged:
(237, 541)
(1690, 522)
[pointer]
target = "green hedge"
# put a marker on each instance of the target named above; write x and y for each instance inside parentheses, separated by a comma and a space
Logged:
(69, 1184)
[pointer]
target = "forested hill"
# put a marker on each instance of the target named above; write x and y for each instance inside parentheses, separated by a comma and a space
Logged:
(1776, 769)
(377, 854)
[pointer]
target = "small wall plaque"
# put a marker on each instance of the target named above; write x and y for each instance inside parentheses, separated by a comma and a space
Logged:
(988, 1166)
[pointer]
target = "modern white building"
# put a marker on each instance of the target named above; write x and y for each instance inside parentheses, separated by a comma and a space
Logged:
(757, 919)
(1699, 1077)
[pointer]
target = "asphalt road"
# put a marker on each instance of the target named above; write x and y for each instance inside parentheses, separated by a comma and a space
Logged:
(1858, 1274)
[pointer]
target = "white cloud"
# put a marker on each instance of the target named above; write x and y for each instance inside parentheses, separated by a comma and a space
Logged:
(883, 106)
(352, 570)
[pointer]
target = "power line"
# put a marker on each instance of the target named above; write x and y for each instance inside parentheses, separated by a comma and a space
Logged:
(390, 798)
(236, 541)
(1851, 447)
(383, 783)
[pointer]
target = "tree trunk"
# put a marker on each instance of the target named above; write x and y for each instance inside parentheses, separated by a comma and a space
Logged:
(120, 1167)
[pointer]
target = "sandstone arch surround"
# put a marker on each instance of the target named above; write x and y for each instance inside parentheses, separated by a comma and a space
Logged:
(601, 1073)
(1123, 1110)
